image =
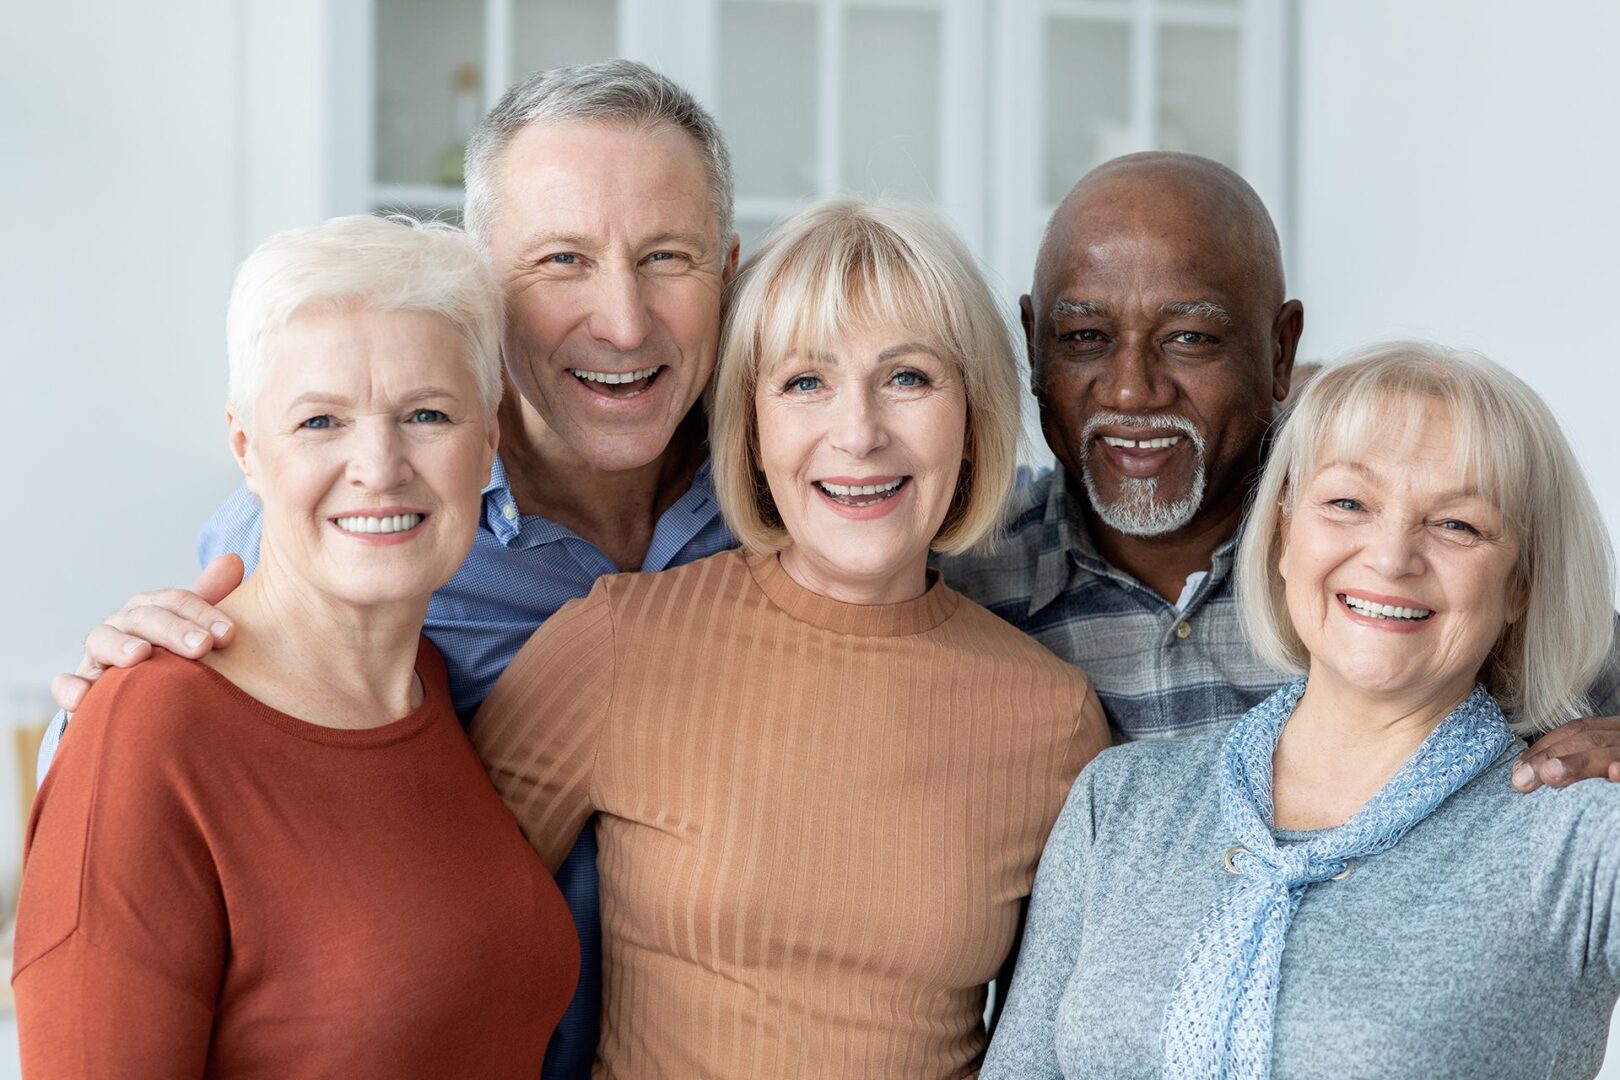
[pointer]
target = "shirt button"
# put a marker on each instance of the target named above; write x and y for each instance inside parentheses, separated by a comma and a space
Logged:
(510, 512)
(1183, 629)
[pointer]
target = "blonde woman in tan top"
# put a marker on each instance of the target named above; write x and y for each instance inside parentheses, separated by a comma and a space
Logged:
(822, 778)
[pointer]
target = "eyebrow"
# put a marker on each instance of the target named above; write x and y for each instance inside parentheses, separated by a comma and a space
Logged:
(1079, 309)
(586, 242)
(326, 397)
(1197, 309)
(892, 352)
(1372, 474)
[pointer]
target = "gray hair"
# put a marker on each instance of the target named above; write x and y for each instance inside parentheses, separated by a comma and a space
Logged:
(371, 263)
(623, 92)
(1509, 445)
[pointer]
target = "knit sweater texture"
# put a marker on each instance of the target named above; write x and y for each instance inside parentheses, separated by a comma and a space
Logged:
(1485, 944)
(818, 820)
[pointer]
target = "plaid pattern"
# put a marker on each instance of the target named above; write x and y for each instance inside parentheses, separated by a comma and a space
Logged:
(1047, 579)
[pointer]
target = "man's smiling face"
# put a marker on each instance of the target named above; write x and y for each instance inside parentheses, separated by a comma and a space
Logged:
(612, 260)
(1154, 337)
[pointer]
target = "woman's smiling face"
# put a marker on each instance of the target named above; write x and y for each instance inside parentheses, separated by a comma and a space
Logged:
(861, 444)
(1399, 574)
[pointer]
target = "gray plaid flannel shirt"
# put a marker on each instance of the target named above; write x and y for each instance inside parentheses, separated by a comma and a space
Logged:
(1160, 672)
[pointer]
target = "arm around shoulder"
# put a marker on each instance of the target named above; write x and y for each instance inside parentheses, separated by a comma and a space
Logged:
(541, 727)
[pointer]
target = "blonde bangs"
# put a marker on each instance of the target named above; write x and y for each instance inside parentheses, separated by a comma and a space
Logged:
(835, 269)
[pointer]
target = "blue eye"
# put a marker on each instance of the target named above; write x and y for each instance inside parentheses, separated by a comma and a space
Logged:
(803, 384)
(428, 416)
(911, 379)
(317, 423)
(1453, 525)
(1345, 504)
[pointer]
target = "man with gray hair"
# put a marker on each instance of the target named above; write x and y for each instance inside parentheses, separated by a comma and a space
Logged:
(603, 197)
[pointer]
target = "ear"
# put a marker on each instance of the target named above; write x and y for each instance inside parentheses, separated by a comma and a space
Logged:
(241, 444)
(493, 442)
(1026, 315)
(729, 270)
(1285, 332)
(1518, 599)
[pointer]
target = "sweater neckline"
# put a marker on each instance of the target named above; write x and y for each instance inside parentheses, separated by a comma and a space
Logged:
(937, 603)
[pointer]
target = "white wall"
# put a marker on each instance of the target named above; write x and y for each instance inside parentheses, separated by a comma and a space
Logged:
(1457, 181)
(121, 197)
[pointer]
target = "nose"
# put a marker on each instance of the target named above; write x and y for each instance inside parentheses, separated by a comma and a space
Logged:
(858, 425)
(1133, 379)
(1393, 549)
(380, 460)
(619, 315)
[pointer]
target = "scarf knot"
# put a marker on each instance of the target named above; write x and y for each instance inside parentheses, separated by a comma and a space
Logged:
(1218, 1023)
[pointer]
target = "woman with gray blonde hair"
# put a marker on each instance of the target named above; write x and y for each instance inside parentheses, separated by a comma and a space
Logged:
(285, 859)
(822, 777)
(1345, 883)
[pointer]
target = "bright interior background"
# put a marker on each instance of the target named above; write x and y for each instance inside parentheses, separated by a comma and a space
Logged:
(1443, 169)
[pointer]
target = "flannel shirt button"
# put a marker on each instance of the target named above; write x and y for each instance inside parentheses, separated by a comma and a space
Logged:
(511, 512)
(1183, 630)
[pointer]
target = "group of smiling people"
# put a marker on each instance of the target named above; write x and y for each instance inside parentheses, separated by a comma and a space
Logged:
(830, 792)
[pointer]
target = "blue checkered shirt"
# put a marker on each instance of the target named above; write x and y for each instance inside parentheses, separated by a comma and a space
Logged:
(1160, 670)
(521, 569)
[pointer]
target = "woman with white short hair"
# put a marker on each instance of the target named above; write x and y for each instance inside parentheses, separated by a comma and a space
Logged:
(285, 859)
(822, 777)
(1345, 883)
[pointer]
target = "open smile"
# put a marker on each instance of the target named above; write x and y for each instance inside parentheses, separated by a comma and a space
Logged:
(618, 384)
(391, 525)
(1139, 453)
(1392, 616)
(857, 498)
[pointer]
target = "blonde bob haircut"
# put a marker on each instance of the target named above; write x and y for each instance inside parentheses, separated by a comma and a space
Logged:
(363, 262)
(1509, 448)
(839, 267)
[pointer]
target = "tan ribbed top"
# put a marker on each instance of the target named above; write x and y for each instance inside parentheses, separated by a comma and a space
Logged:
(818, 819)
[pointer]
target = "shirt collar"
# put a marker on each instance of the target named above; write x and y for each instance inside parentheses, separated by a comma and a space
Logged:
(502, 517)
(1066, 545)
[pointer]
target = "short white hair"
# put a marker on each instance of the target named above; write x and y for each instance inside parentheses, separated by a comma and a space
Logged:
(369, 263)
(1510, 448)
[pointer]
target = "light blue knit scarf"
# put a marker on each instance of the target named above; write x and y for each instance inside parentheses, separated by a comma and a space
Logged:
(1218, 1022)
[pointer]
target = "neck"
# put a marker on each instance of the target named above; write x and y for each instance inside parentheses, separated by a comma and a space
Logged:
(896, 588)
(317, 658)
(617, 510)
(1343, 744)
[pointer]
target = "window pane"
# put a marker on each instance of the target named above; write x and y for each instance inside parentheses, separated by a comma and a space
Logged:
(555, 33)
(1198, 91)
(891, 102)
(768, 102)
(428, 53)
(1086, 99)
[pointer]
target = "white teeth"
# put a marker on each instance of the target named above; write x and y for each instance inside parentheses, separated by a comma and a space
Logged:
(846, 490)
(613, 379)
(370, 524)
(1384, 611)
(1142, 444)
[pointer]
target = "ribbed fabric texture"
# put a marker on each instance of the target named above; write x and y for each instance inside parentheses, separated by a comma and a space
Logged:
(818, 820)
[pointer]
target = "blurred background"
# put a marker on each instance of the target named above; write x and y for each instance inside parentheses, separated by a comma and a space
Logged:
(1444, 169)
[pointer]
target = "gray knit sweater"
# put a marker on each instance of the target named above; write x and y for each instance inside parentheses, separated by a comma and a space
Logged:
(1486, 944)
